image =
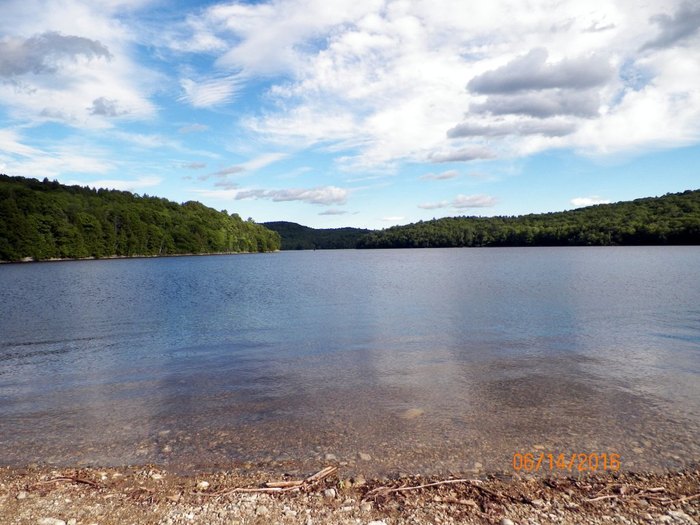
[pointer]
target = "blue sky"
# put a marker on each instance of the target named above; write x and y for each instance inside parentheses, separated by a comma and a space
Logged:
(355, 112)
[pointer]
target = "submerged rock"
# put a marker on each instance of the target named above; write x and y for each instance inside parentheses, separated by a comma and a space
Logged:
(412, 413)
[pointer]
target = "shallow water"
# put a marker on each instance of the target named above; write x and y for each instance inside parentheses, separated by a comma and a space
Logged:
(430, 361)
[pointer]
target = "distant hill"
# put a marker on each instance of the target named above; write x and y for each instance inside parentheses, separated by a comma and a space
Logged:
(297, 237)
(671, 219)
(44, 220)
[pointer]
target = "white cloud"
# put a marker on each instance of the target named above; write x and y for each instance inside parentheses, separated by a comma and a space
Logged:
(334, 211)
(461, 202)
(10, 144)
(263, 160)
(393, 218)
(434, 205)
(473, 201)
(384, 81)
(71, 62)
(204, 93)
(325, 195)
(589, 201)
(19, 158)
(132, 185)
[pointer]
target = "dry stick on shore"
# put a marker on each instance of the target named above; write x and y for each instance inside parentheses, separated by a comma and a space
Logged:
(275, 487)
(59, 479)
(647, 494)
(383, 491)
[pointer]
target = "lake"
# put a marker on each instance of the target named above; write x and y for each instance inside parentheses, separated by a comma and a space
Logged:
(431, 361)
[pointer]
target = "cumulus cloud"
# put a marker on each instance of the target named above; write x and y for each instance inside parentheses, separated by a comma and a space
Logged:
(106, 108)
(445, 175)
(42, 53)
(542, 104)
(589, 201)
(532, 72)
(55, 61)
(684, 23)
(383, 82)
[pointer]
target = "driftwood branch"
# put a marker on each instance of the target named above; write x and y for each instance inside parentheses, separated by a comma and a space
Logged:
(66, 479)
(276, 487)
(383, 491)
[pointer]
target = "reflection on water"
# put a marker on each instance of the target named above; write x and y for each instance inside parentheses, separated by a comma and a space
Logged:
(427, 360)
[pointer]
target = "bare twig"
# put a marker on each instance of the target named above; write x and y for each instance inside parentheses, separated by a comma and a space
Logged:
(60, 479)
(274, 487)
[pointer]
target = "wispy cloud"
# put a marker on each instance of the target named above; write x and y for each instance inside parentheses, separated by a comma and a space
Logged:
(193, 165)
(118, 184)
(193, 128)
(461, 202)
(333, 211)
(465, 154)
(325, 195)
(445, 175)
(205, 93)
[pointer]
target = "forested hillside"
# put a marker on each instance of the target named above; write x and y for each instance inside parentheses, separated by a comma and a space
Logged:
(45, 220)
(671, 219)
(298, 237)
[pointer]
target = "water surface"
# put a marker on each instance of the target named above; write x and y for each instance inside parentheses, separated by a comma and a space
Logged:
(434, 360)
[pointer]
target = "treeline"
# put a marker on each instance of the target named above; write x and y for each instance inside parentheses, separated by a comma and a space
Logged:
(671, 219)
(45, 219)
(298, 237)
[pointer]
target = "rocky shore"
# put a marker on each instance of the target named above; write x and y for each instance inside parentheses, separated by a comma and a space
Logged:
(151, 495)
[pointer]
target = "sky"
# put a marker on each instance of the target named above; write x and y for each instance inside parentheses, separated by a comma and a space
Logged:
(365, 113)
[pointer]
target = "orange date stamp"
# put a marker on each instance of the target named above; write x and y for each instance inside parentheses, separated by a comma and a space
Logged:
(591, 462)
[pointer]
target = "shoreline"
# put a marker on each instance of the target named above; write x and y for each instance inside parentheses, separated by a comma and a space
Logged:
(26, 260)
(149, 494)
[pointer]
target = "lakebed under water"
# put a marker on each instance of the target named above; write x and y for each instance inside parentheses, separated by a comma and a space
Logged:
(431, 361)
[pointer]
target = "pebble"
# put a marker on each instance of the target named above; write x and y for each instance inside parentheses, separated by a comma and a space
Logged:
(364, 457)
(22, 495)
(478, 466)
(72, 521)
(261, 510)
(331, 457)
(412, 413)
(366, 506)
(506, 521)
(329, 493)
(377, 522)
(203, 485)
(50, 521)
(358, 481)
